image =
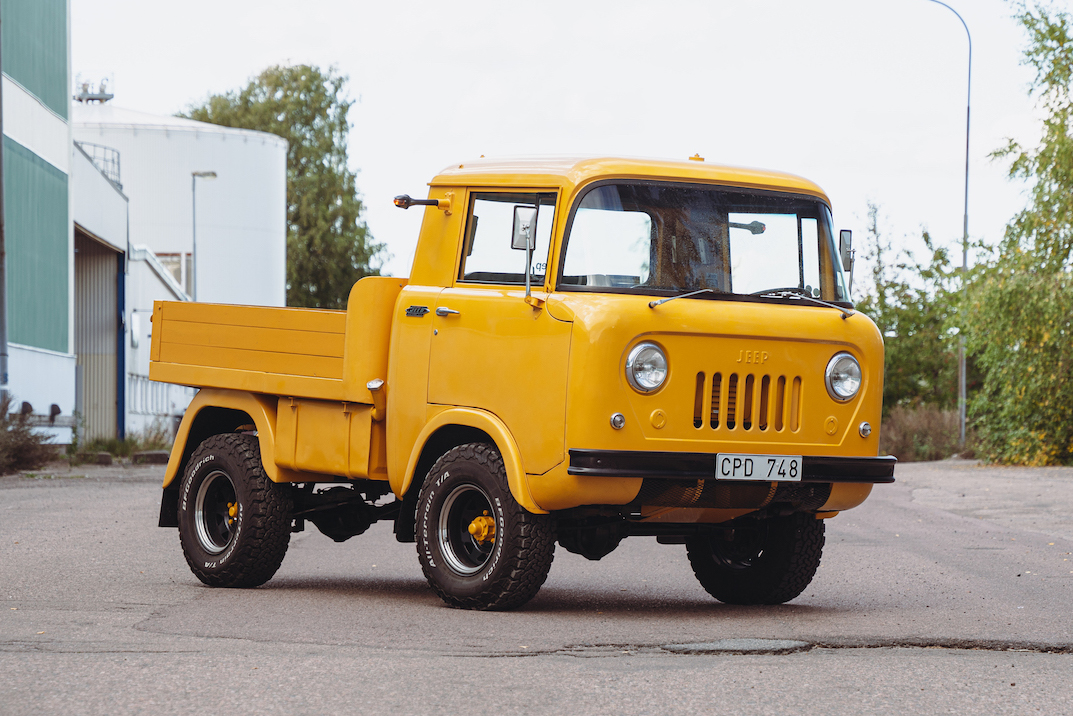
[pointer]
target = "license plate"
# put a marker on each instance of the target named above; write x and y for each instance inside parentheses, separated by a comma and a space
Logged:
(765, 468)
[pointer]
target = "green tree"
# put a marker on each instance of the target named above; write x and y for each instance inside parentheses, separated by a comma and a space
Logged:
(329, 247)
(911, 304)
(1042, 234)
(1018, 324)
(1018, 315)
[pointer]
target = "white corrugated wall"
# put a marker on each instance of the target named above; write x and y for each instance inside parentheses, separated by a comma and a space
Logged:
(96, 326)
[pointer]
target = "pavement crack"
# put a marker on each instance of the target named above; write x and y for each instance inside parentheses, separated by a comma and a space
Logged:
(692, 649)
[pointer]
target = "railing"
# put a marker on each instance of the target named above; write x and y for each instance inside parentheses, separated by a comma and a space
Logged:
(147, 397)
(104, 158)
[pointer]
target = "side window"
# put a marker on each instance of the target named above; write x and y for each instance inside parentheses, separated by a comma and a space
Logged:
(487, 256)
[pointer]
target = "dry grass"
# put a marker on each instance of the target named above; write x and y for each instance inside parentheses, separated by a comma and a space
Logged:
(921, 433)
(156, 437)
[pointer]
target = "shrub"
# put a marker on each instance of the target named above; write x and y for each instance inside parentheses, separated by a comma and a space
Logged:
(1020, 326)
(20, 447)
(920, 433)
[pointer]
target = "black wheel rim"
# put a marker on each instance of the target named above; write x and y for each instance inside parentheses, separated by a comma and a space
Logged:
(215, 512)
(464, 552)
(742, 551)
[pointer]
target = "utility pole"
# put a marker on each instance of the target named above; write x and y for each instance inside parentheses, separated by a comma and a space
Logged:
(3, 244)
(965, 230)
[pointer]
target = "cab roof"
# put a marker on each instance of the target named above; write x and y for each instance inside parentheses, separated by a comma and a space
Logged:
(572, 172)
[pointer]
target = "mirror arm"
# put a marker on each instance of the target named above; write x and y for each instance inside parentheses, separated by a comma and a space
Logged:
(528, 267)
(852, 254)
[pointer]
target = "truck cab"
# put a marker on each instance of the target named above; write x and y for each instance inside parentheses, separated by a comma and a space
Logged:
(585, 350)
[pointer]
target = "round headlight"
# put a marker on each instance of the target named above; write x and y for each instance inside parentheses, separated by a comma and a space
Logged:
(843, 377)
(646, 367)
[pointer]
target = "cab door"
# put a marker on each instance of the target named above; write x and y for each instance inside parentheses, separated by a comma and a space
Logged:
(490, 348)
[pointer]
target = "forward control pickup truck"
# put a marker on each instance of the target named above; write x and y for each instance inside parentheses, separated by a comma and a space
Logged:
(585, 350)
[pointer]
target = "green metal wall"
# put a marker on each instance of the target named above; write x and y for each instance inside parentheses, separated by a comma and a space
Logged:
(35, 203)
(35, 48)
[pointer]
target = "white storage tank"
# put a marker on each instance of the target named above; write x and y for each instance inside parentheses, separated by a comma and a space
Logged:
(240, 221)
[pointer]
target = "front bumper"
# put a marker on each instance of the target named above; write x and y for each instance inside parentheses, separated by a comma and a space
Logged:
(701, 466)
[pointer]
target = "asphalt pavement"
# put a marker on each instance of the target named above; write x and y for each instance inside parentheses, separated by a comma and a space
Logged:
(947, 591)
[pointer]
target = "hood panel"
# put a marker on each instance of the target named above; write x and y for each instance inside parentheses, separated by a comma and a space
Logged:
(743, 377)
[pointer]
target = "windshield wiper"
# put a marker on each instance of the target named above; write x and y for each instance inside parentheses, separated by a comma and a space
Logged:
(799, 294)
(653, 304)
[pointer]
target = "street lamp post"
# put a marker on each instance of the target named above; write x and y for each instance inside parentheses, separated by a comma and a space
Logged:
(194, 176)
(965, 228)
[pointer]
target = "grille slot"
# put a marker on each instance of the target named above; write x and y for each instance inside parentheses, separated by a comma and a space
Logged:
(698, 402)
(795, 406)
(749, 401)
(765, 391)
(780, 403)
(717, 391)
(732, 401)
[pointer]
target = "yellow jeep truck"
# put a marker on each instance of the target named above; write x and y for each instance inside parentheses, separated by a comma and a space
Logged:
(585, 350)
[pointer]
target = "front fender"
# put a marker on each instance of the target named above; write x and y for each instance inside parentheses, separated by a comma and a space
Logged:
(500, 435)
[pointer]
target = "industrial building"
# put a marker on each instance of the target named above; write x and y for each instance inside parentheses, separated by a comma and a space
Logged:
(107, 210)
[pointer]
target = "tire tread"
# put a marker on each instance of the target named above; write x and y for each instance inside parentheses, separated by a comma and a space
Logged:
(776, 580)
(534, 536)
(266, 518)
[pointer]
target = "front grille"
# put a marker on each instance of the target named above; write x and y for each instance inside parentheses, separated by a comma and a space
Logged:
(747, 401)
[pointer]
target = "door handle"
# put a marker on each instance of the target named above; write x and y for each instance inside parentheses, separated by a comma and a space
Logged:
(442, 311)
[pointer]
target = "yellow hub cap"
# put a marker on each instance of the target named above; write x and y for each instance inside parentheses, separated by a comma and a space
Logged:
(232, 510)
(483, 528)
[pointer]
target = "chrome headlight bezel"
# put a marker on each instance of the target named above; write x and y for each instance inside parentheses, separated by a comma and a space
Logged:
(637, 357)
(836, 375)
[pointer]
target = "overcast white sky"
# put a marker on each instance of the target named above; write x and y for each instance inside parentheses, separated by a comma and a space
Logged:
(865, 98)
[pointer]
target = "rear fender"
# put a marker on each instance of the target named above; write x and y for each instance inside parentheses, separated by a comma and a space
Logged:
(215, 411)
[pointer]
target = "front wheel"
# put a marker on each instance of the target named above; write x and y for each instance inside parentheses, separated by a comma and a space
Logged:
(769, 562)
(480, 549)
(234, 523)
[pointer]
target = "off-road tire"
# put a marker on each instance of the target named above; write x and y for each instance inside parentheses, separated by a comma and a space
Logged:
(498, 574)
(243, 550)
(770, 563)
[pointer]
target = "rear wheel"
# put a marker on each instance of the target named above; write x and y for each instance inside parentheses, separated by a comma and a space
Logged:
(770, 562)
(234, 523)
(480, 549)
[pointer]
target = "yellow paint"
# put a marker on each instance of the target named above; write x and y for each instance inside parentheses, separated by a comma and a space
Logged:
(846, 495)
(329, 438)
(490, 425)
(369, 317)
(501, 355)
(537, 376)
(260, 408)
(557, 490)
(701, 338)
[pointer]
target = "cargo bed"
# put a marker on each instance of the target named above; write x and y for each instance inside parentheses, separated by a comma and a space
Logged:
(297, 352)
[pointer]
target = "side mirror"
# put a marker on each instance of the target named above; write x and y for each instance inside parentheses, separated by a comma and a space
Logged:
(524, 235)
(845, 248)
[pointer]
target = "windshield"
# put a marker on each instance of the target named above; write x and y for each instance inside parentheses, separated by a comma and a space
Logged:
(663, 239)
